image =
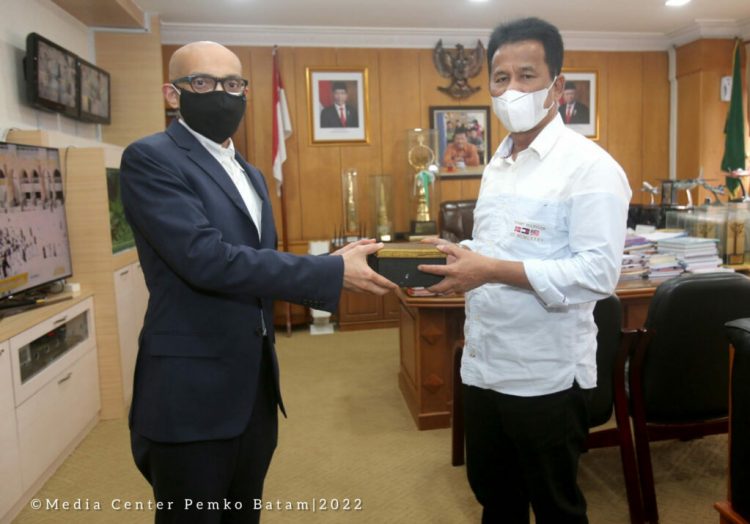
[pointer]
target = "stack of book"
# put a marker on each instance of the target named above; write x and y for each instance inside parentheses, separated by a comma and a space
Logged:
(635, 257)
(695, 255)
(633, 266)
(664, 265)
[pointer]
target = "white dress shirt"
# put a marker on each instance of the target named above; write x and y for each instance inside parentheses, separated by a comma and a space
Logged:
(561, 208)
(225, 157)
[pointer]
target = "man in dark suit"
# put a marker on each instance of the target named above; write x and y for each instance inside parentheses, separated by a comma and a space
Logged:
(573, 111)
(339, 114)
(204, 414)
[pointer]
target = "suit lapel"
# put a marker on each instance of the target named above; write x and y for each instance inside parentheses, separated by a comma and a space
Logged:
(267, 224)
(198, 154)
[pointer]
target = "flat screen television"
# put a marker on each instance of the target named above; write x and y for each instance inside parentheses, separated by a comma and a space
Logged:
(34, 243)
(51, 76)
(93, 93)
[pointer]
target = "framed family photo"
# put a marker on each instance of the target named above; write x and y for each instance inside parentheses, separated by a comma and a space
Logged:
(579, 103)
(338, 105)
(463, 139)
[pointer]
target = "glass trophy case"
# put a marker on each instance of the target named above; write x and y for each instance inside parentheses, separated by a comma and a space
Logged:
(424, 199)
(381, 193)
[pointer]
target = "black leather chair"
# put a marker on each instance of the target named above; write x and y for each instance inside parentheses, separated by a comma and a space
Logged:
(610, 355)
(737, 509)
(457, 219)
(678, 368)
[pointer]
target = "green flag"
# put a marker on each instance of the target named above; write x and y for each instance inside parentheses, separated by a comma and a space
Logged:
(734, 146)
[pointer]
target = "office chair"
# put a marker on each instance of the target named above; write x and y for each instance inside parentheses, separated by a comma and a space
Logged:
(678, 368)
(610, 355)
(457, 219)
(736, 510)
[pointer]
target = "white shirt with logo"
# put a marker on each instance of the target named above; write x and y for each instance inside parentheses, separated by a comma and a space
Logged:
(561, 208)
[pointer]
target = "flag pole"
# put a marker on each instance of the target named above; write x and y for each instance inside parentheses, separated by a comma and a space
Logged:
(282, 197)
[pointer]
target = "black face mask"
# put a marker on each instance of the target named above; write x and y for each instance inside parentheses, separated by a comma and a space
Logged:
(215, 115)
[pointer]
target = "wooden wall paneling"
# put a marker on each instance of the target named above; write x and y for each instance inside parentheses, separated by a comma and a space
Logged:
(134, 61)
(625, 113)
(689, 125)
(655, 137)
(399, 93)
(320, 179)
(689, 59)
(91, 251)
(701, 113)
(366, 159)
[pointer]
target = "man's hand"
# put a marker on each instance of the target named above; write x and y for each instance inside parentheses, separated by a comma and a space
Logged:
(358, 276)
(352, 245)
(464, 270)
(437, 241)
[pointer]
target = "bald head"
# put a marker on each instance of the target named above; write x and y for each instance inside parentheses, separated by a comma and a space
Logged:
(204, 57)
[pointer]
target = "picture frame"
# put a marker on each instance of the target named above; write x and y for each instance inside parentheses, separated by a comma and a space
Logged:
(445, 120)
(582, 87)
(338, 105)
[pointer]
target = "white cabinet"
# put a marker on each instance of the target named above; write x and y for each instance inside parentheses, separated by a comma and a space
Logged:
(131, 297)
(49, 395)
(10, 461)
(50, 420)
(42, 352)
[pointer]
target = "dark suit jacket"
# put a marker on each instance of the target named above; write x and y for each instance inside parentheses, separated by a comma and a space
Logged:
(209, 275)
(330, 118)
(580, 113)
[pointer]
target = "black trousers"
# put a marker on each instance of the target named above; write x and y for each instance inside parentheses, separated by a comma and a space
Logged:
(216, 481)
(525, 450)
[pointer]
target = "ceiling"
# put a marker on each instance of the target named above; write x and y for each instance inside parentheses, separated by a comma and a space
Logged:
(584, 24)
(569, 15)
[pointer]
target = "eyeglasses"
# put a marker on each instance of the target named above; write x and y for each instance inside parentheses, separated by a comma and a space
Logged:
(205, 83)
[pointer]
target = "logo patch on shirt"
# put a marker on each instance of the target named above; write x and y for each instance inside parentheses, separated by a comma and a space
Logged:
(528, 231)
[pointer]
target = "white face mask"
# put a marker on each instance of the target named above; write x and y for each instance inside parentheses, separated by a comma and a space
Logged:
(519, 111)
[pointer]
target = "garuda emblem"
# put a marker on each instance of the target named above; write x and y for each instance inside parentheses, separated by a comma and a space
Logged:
(459, 65)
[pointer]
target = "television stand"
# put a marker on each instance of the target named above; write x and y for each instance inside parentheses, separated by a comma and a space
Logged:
(12, 306)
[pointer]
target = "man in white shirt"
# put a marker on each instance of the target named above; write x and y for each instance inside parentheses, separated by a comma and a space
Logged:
(549, 228)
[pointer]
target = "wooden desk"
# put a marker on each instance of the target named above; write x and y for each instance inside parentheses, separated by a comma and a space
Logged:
(430, 326)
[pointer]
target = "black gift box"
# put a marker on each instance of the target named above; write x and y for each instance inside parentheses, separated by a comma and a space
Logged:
(398, 263)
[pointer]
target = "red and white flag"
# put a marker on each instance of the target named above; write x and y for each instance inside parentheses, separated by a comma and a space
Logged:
(282, 124)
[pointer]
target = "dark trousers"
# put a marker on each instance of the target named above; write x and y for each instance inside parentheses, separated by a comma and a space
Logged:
(525, 450)
(215, 481)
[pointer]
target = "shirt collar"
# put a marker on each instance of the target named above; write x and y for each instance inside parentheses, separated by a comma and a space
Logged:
(543, 142)
(217, 150)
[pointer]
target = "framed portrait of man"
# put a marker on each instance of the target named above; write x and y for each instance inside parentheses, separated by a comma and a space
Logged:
(578, 105)
(463, 139)
(337, 100)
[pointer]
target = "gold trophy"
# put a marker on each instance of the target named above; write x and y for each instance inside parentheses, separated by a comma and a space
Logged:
(382, 207)
(422, 159)
(349, 200)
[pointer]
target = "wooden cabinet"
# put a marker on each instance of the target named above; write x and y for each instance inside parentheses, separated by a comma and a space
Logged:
(10, 460)
(364, 311)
